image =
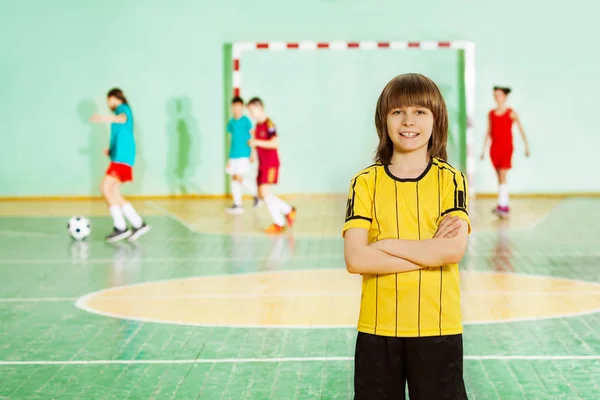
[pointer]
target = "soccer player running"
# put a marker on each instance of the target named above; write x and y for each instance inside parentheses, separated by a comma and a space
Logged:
(122, 153)
(266, 143)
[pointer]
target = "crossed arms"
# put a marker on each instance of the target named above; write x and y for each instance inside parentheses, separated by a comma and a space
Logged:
(389, 256)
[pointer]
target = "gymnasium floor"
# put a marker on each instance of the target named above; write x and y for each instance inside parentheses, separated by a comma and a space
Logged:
(206, 307)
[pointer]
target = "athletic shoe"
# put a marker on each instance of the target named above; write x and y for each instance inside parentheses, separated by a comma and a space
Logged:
(274, 229)
(136, 233)
(291, 217)
(117, 235)
(235, 209)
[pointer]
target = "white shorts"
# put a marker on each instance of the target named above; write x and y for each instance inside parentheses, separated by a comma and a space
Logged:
(238, 166)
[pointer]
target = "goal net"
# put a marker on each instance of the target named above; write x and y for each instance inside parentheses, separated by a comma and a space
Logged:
(322, 98)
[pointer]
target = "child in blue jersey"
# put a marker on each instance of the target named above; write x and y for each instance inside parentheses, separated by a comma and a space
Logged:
(240, 155)
(122, 158)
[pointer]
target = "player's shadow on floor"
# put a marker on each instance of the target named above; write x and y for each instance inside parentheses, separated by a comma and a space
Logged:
(97, 141)
(184, 146)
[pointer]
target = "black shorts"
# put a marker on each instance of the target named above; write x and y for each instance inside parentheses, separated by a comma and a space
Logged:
(432, 367)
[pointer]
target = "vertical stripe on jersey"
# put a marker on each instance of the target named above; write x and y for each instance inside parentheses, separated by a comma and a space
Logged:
(350, 203)
(420, 271)
(375, 207)
(441, 268)
(441, 283)
(397, 237)
(462, 198)
(377, 238)
(418, 216)
(376, 302)
(439, 194)
(455, 190)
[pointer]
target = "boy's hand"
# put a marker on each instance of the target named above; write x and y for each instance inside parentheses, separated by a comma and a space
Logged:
(251, 142)
(527, 153)
(448, 228)
(106, 152)
(252, 159)
(97, 118)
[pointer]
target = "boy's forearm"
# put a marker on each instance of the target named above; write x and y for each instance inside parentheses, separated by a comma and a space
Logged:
(429, 252)
(265, 144)
(117, 119)
(368, 260)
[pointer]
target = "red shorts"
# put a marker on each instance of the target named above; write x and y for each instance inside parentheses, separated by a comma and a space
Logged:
(267, 175)
(501, 157)
(122, 172)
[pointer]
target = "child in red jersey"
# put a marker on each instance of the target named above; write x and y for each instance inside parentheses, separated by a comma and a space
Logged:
(500, 133)
(266, 143)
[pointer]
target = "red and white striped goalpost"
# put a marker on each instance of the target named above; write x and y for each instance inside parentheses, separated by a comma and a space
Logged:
(467, 47)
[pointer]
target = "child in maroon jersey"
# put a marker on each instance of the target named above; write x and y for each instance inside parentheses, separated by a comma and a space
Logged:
(266, 143)
(500, 133)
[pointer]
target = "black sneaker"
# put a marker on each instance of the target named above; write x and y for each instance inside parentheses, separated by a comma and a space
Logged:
(136, 233)
(255, 202)
(235, 209)
(117, 235)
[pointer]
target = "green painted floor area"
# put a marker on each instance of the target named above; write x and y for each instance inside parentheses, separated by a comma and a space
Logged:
(50, 349)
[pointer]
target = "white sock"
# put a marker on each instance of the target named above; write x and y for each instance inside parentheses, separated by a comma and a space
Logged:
(503, 196)
(284, 207)
(236, 191)
(249, 186)
(275, 210)
(118, 220)
(132, 215)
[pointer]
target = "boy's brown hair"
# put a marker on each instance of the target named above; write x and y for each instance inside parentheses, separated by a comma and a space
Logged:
(256, 101)
(411, 90)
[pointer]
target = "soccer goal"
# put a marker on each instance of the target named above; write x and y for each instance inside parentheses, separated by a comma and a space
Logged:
(322, 97)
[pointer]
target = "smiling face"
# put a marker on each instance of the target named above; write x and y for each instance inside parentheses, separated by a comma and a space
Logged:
(411, 115)
(410, 128)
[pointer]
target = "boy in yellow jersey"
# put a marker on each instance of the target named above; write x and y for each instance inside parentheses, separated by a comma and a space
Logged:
(406, 230)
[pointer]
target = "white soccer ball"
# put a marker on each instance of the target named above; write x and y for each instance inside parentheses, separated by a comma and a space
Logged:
(79, 228)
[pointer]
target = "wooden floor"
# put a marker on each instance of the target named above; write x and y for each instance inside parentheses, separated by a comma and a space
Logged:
(207, 306)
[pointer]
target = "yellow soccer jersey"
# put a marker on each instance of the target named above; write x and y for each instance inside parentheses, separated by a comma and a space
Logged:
(417, 303)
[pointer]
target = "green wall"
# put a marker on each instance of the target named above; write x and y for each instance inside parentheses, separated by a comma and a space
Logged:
(59, 58)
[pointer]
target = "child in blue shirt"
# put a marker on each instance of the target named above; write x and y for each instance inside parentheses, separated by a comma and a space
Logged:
(240, 155)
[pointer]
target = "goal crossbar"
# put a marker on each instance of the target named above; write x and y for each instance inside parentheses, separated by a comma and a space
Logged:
(468, 48)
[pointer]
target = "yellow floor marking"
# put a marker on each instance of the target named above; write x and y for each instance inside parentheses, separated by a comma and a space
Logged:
(329, 298)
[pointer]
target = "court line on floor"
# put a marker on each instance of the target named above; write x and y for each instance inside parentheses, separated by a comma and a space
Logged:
(81, 303)
(288, 359)
(559, 205)
(169, 214)
(174, 260)
(282, 294)
(336, 256)
(192, 228)
(35, 299)
(28, 234)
